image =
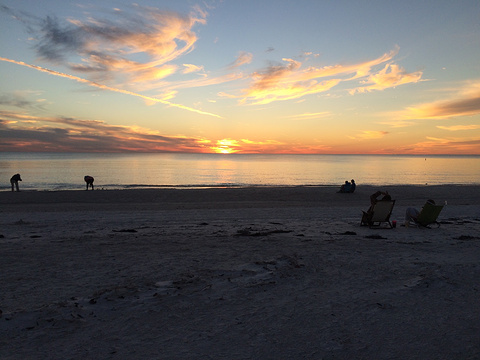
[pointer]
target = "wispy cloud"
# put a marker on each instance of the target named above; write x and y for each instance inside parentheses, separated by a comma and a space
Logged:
(397, 123)
(390, 76)
(459, 127)
(433, 145)
(190, 68)
(369, 135)
(465, 102)
(292, 79)
(19, 101)
(108, 47)
(308, 116)
(109, 88)
(24, 132)
(242, 58)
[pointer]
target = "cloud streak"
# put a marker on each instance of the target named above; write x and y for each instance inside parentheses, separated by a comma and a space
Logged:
(369, 135)
(390, 76)
(459, 127)
(292, 80)
(433, 145)
(109, 88)
(466, 102)
(24, 132)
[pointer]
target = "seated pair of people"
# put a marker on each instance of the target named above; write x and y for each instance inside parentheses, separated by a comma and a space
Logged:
(348, 187)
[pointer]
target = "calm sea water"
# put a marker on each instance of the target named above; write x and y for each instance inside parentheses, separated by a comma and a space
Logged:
(54, 171)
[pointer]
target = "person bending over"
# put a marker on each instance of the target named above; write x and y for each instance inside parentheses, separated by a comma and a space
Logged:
(89, 180)
(14, 181)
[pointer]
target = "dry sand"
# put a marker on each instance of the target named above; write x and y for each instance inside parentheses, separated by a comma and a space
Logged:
(252, 273)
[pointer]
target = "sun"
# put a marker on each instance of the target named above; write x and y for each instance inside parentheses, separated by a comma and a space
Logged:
(223, 150)
(226, 146)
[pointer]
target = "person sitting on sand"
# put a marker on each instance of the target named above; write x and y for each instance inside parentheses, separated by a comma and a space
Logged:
(353, 186)
(348, 187)
(89, 180)
(367, 215)
(14, 181)
(345, 188)
(411, 214)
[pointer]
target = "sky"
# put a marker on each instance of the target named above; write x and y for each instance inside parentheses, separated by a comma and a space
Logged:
(249, 76)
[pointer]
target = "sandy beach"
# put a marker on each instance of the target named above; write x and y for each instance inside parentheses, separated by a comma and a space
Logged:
(237, 273)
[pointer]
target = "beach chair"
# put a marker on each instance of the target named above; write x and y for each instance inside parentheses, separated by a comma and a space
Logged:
(429, 215)
(380, 214)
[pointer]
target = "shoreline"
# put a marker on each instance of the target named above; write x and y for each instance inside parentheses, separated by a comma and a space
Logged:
(111, 187)
(310, 196)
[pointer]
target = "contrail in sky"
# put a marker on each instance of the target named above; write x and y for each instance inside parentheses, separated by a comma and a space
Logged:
(105, 87)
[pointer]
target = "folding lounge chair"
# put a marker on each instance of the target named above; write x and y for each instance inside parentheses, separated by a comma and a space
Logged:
(429, 215)
(381, 213)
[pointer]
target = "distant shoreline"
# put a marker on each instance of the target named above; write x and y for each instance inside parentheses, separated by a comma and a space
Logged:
(134, 187)
(231, 197)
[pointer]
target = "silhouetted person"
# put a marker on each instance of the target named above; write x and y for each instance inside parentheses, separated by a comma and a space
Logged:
(89, 180)
(411, 214)
(348, 187)
(367, 215)
(345, 188)
(353, 186)
(14, 181)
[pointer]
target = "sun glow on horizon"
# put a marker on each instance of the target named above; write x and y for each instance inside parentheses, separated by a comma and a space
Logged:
(226, 146)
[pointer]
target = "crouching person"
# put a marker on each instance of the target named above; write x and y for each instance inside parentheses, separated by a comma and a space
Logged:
(14, 181)
(89, 180)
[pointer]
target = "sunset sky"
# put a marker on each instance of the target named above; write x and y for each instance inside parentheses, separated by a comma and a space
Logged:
(249, 76)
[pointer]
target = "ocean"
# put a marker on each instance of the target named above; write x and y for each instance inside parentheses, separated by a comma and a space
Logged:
(65, 171)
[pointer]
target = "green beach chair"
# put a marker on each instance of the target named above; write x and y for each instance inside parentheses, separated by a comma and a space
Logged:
(380, 214)
(429, 215)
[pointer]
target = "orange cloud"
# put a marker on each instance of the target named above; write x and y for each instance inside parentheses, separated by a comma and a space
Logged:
(190, 68)
(369, 135)
(105, 44)
(77, 135)
(466, 103)
(434, 145)
(356, 71)
(204, 81)
(242, 58)
(390, 76)
(292, 81)
(262, 94)
(105, 87)
(459, 127)
(308, 116)
(398, 123)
